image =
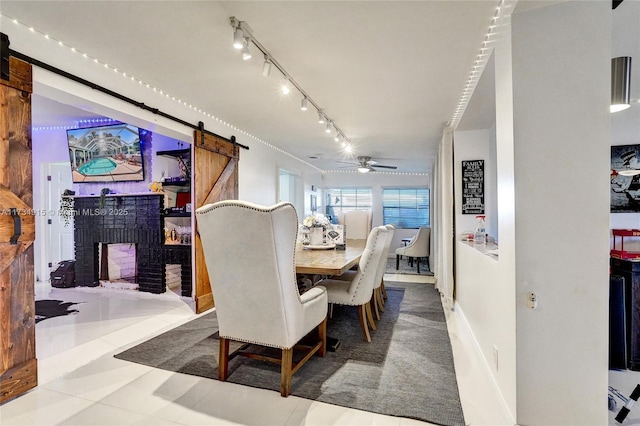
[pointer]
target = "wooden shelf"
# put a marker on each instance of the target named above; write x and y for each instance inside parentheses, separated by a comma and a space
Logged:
(177, 215)
(176, 153)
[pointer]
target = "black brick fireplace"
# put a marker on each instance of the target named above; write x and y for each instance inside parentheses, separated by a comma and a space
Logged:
(121, 218)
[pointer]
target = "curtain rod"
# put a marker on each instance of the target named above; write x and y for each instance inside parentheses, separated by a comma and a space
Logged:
(109, 92)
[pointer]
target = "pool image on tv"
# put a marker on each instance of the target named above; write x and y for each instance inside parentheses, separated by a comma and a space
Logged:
(106, 154)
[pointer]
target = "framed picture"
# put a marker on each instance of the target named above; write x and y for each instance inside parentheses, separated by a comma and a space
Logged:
(625, 179)
(314, 205)
(473, 187)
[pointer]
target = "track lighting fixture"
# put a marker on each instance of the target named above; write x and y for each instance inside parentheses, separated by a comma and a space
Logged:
(266, 67)
(242, 37)
(246, 54)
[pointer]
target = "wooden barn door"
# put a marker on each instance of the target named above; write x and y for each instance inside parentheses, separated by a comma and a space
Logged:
(215, 179)
(18, 365)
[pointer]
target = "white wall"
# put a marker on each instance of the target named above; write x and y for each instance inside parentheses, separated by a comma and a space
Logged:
(485, 286)
(376, 181)
(561, 94)
(552, 218)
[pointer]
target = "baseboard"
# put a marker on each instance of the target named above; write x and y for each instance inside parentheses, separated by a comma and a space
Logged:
(505, 413)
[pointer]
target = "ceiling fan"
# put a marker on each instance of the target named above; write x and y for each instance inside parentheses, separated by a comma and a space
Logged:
(366, 164)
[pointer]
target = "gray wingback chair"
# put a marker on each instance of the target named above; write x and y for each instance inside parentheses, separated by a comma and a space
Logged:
(249, 252)
(418, 248)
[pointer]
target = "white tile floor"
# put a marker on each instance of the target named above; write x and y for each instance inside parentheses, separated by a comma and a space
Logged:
(81, 383)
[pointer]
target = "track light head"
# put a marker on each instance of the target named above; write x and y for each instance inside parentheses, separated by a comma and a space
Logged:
(246, 54)
(320, 117)
(266, 67)
(327, 128)
(238, 38)
(620, 83)
(304, 104)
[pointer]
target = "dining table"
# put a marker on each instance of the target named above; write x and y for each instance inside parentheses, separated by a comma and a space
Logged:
(328, 261)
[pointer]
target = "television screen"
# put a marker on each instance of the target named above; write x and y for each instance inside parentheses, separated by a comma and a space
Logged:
(106, 154)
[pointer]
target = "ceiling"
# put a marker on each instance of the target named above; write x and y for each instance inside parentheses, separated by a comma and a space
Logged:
(388, 73)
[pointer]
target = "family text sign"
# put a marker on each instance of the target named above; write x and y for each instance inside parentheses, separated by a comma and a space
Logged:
(473, 187)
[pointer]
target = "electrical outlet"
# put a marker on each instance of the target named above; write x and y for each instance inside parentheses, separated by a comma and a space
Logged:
(495, 356)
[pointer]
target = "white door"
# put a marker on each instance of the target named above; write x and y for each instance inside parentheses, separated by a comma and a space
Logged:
(59, 238)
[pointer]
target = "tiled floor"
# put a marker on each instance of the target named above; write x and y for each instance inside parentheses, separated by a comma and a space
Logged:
(81, 383)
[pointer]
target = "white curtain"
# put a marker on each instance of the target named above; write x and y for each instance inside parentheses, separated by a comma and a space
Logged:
(443, 217)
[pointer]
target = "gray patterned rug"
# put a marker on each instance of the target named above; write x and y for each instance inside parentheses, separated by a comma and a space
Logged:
(407, 370)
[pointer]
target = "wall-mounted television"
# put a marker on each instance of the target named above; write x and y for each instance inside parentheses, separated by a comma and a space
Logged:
(110, 153)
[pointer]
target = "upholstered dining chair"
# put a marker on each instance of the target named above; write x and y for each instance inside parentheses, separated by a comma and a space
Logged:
(418, 248)
(357, 224)
(359, 290)
(249, 252)
(379, 292)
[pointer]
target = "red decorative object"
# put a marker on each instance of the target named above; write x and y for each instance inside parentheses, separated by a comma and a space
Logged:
(621, 253)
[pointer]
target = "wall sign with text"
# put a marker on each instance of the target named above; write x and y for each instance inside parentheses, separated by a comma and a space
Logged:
(473, 187)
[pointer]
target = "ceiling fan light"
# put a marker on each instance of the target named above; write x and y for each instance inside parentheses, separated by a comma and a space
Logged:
(620, 83)
(364, 169)
(304, 104)
(238, 38)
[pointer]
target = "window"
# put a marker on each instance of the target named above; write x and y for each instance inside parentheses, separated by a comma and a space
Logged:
(405, 207)
(342, 199)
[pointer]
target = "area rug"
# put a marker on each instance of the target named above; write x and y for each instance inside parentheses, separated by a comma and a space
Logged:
(47, 308)
(407, 370)
(404, 268)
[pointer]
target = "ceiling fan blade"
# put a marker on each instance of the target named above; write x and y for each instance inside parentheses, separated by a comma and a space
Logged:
(383, 166)
(346, 162)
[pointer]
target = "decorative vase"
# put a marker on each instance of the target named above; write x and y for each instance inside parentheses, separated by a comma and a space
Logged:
(316, 236)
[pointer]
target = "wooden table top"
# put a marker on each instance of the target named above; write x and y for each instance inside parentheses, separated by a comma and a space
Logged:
(329, 262)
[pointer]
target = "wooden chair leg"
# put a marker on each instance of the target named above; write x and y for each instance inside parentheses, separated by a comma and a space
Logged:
(362, 314)
(428, 266)
(374, 303)
(330, 310)
(372, 323)
(418, 263)
(397, 262)
(378, 294)
(223, 360)
(384, 290)
(322, 334)
(285, 371)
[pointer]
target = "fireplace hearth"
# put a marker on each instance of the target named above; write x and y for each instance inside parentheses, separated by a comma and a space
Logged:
(121, 219)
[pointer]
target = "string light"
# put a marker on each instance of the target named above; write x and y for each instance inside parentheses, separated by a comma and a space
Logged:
(345, 142)
(478, 66)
